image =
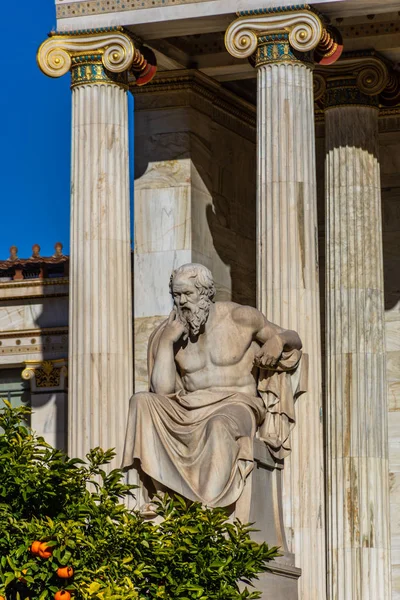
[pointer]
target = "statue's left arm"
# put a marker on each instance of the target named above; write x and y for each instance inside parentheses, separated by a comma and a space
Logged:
(274, 339)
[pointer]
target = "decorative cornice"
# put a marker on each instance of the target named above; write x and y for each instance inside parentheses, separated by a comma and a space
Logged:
(44, 332)
(88, 8)
(35, 267)
(17, 285)
(272, 10)
(14, 261)
(85, 32)
(94, 56)
(39, 343)
(304, 31)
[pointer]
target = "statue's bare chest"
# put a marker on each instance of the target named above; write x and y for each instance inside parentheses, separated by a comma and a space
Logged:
(223, 346)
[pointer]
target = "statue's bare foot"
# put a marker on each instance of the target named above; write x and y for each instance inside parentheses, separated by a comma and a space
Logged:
(148, 510)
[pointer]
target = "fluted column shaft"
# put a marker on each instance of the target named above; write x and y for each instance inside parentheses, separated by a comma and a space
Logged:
(356, 412)
(288, 291)
(100, 342)
(282, 41)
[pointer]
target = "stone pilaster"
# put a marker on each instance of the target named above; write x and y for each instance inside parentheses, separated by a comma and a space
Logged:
(100, 345)
(281, 42)
(356, 404)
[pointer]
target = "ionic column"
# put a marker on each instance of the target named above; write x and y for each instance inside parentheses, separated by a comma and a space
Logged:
(287, 277)
(356, 407)
(100, 320)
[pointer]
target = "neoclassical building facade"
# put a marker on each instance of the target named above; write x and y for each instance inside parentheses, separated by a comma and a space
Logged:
(267, 147)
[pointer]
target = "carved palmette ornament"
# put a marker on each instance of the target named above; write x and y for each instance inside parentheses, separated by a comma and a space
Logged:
(45, 374)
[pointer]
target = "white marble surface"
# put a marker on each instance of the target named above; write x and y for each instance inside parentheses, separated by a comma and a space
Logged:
(33, 288)
(357, 436)
(100, 350)
(49, 416)
(33, 314)
(288, 293)
(155, 269)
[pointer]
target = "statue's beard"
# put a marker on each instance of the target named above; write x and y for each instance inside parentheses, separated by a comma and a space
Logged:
(194, 318)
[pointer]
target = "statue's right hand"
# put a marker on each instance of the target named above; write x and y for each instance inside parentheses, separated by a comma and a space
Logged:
(174, 329)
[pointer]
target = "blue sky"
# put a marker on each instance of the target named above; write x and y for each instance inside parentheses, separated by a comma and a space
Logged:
(35, 148)
(36, 137)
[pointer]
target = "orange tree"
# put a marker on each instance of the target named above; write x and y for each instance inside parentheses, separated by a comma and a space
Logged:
(58, 512)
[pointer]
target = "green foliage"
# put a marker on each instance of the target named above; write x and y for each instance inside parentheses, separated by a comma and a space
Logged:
(76, 507)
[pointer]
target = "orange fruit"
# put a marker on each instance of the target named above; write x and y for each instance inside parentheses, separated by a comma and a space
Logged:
(44, 550)
(65, 572)
(35, 547)
(62, 595)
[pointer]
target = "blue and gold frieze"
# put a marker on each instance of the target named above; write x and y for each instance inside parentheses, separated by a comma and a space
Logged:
(89, 69)
(276, 48)
(273, 9)
(88, 31)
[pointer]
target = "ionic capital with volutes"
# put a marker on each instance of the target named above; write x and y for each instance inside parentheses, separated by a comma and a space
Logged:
(96, 56)
(282, 34)
(358, 79)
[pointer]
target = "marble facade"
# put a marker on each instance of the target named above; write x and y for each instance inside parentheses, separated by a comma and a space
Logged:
(33, 334)
(225, 176)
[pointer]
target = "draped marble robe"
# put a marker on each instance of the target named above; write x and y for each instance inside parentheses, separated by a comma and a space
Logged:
(200, 444)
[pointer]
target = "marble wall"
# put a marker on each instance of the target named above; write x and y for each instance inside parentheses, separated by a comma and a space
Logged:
(33, 321)
(34, 313)
(33, 329)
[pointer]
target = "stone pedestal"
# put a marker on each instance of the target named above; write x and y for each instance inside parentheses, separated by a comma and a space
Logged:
(356, 415)
(194, 195)
(287, 261)
(281, 582)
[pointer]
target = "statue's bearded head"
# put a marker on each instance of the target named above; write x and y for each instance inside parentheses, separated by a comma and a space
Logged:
(193, 290)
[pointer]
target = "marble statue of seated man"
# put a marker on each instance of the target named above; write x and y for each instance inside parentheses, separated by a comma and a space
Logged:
(193, 432)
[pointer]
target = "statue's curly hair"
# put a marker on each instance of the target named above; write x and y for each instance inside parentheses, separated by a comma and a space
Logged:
(203, 279)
